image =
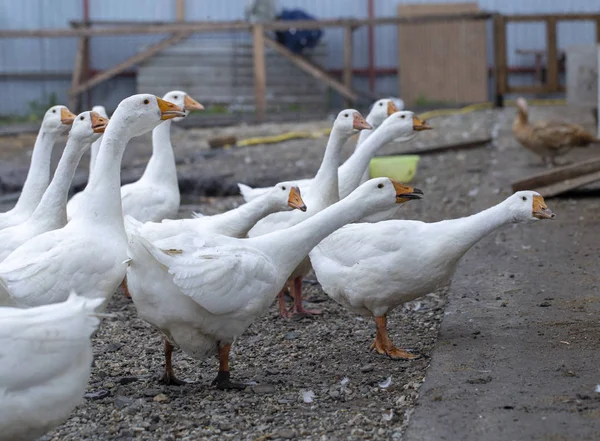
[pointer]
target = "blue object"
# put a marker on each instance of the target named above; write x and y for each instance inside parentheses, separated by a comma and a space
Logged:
(298, 39)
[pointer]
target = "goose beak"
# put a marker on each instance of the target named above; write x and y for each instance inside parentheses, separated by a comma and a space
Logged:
(99, 123)
(169, 110)
(391, 108)
(541, 210)
(295, 200)
(404, 193)
(359, 122)
(419, 124)
(190, 103)
(66, 117)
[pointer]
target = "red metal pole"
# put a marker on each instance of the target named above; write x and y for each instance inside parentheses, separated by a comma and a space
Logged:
(371, 43)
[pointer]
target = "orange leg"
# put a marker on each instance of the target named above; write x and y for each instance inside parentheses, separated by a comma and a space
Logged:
(169, 376)
(283, 309)
(297, 294)
(383, 344)
(125, 289)
(223, 380)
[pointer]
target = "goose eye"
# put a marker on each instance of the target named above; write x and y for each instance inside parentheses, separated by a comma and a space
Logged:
(380, 186)
(346, 115)
(283, 187)
(146, 101)
(175, 97)
(402, 116)
(54, 111)
(524, 198)
(81, 118)
(380, 104)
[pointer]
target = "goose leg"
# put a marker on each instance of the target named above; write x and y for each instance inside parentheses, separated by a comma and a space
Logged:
(297, 294)
(383, 344)
(223, 380)
(125, 289)
(169, 377)
(283, 309)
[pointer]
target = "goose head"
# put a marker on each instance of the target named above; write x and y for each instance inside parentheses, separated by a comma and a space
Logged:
(528, 207)
(286, 196)
(100, 110)
(384, 193)
(381, 110)
(183, 100)
(348, 122)
(143, 112)
(57, 119)
(87, 127)
(522, 109)
(404, 125)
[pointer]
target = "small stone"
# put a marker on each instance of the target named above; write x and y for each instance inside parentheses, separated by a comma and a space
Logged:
(112, 347)
(160, 398)
(98, 395)
(481, 380)
(152, 392)
(291, 335)
(126, 380)
(366, 368)
(263, 389)
(545, 304)
(121, 401)
(334, 394)
(285, 434)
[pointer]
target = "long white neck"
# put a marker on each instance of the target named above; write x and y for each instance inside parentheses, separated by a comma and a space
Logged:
(38, 176)
(53, 206)
(102, 197)
(93, 156)
(161, 166)
(461, 234)
(243, 218)
(326, 179)
(354, 168)
(364, 134)
(288, 247)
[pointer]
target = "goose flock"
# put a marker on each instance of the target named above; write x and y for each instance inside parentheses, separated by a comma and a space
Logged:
(202, 281)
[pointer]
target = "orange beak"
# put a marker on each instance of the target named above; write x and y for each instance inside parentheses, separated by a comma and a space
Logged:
(419, 124)
(359, 122)
(540, 209)
(295, 200)
(66, 117)
(190, 103)
(169, 110)
(391, 108)
(99, 123)
(404, 193)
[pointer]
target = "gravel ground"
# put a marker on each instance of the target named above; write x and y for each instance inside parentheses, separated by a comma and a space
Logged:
(280, 359)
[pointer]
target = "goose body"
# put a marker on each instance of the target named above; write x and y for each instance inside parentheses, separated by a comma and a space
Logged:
(203, 291)
(75, 201)
(56, 121)
(372, 268)
(50, 213)
(87, 255)
(45, 362)
(155, 196)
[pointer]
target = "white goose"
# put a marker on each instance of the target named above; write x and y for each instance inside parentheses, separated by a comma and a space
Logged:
(88, 255)
(50, 213)
(372, 268)
(75, 201)
(321, 194)
(284, 196)
(155, 196)
(354, 170)
(56, 121)
(203, 291)
(45, 362)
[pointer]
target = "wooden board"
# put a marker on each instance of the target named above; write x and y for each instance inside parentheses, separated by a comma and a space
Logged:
(442, 62)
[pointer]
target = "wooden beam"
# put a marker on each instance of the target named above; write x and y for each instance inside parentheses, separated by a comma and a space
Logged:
(180, 10)
(532, 89)
(464, 145)
(260, 72)
(500, 65)
(312, 69)
(545, 17)
(78, 68)
(568, 185)
(551, 49)
(348, 52)
(137, 58)
(598, 30)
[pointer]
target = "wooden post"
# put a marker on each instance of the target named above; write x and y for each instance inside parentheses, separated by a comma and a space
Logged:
(180, 10)
(500, 77)
(348, 50)
(260, 71)
(598, 30)
(551, 49)
(78, 68)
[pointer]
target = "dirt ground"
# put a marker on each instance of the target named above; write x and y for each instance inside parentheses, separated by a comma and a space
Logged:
(500, 369)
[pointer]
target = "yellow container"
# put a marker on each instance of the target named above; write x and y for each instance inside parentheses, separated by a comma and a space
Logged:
(401, 168)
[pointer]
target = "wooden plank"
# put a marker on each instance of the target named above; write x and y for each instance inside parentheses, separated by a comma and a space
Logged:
(558, 174)
(598, 30)
(545, 17)
(568, 185)
(552, 67)
(78, 68)
(467, 145)
(260, 72)
(180, 10)
(348, 64)
(137, 58)
(500, 72)
(316, 71)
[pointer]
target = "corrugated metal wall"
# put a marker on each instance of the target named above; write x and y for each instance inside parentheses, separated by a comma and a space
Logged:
(56, 55)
